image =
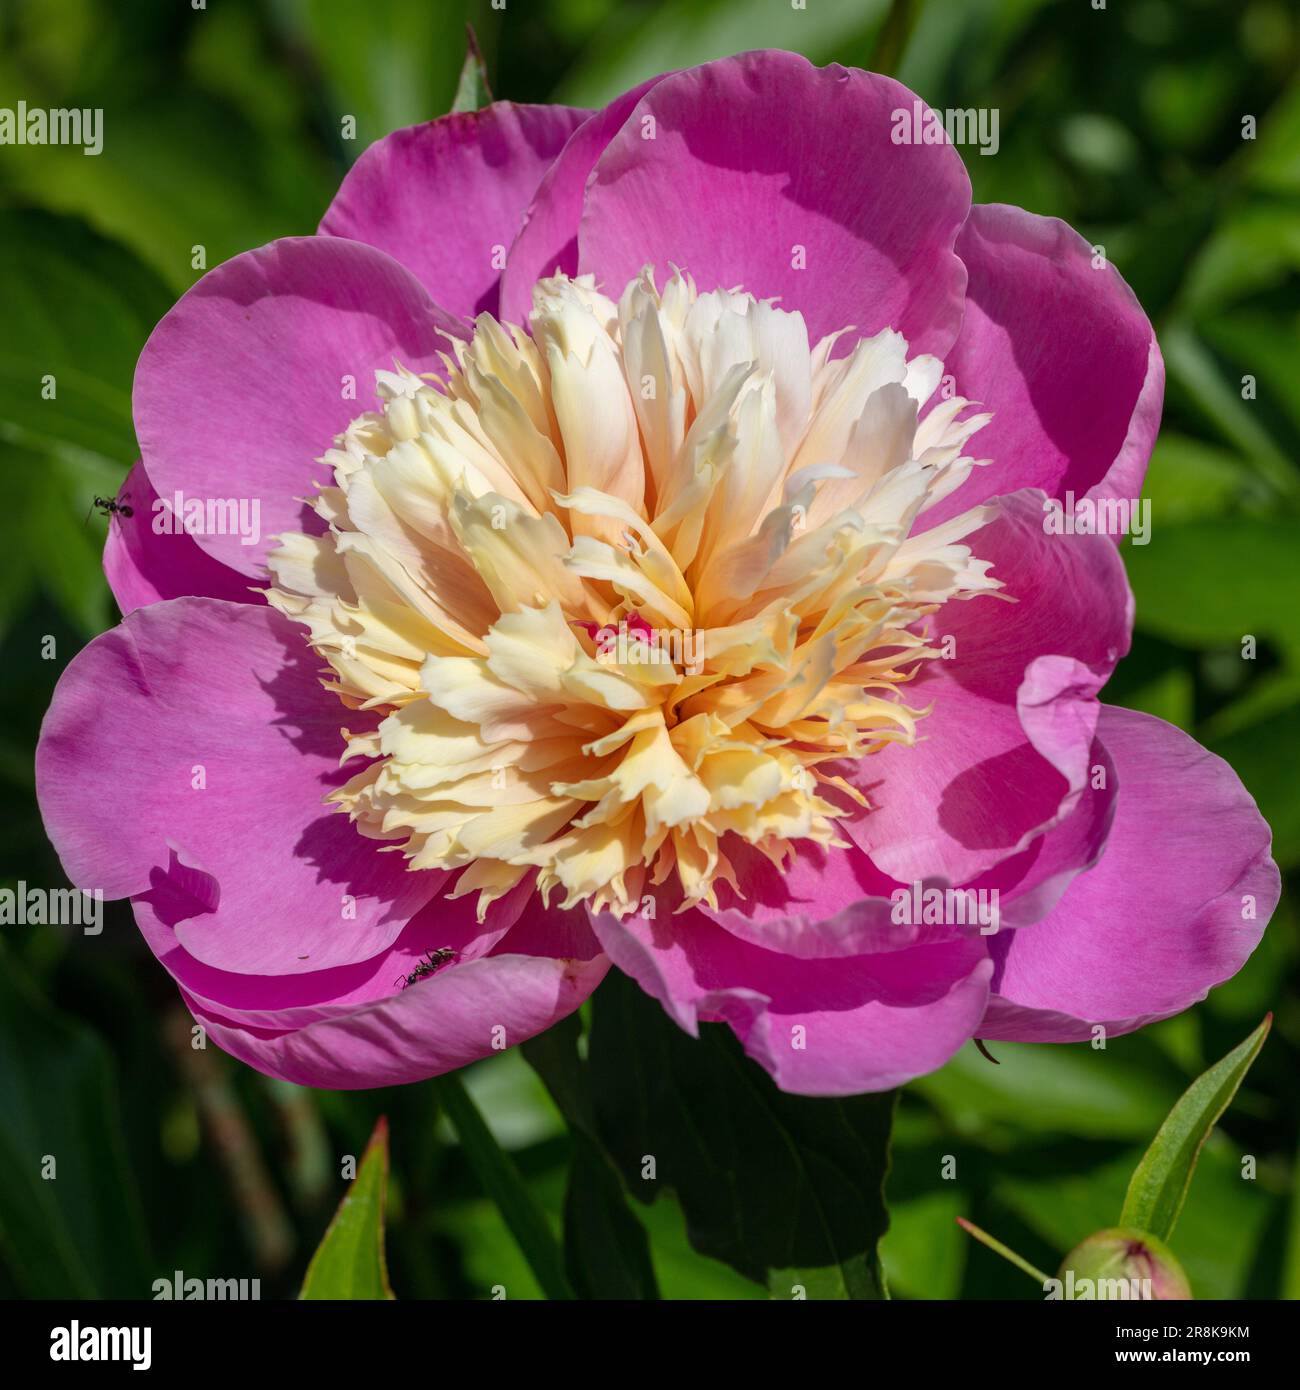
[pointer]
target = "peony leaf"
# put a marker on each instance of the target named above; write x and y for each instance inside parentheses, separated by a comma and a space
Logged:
(606, 1251)
(786, 1189)
(389, 63)
(500, 1180)
(1264, 754)
(70, 1218)
(65, 402)
(472, 91)
(681, 33)
(1244, 566)
(67, 391)
(1159, 1185)
(349, 1262)
(1193, 371)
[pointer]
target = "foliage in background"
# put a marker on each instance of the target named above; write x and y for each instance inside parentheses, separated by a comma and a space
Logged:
(223, 130)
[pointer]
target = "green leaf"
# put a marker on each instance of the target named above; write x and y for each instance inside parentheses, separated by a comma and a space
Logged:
(1189, 480)
(70, 1216)
(606, 1252)
(1255, 248)
(1265, 754)
(891, 40)
(638, 42)
(1274, 164)
(78, 309)
(786, 1189)
(605, 1248)
(57, 523)
(1159, 1185)
(1244, 568)
(1275, 692)
(1170, 696)
(472, 90)
(682, 1272)
(184, 171)
(1218, 1233)
(500, 1179)
(1049, 1090)
(349, 1262)
(1260, 343)
(389, 63)
(1194, 371)
(923, 1252)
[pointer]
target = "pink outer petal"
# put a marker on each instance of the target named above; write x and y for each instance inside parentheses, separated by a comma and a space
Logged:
(1030, 883)
(825, 905)
(253, 871)
(1159, 921)
(446, 198)
(1003, 756)
(143, 566)
(548, 239)
(446, 1021)
(1063, 356)
(862, 1023)
(249, 377)
(282, 1002)
(755, 156)
(345, 1026)
(515, 925)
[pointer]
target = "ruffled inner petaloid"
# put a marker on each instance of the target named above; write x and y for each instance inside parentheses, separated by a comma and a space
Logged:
(630, 585)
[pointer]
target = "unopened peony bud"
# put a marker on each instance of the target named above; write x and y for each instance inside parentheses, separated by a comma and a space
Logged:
(1123, 1263)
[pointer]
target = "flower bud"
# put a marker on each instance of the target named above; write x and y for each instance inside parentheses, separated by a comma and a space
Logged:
(1123, 1263)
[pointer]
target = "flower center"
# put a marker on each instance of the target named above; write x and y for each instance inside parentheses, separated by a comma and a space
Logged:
(626, 591)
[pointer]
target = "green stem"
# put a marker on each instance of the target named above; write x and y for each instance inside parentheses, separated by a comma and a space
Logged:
(1005, 1251)
(892, 39)
(496, 1171)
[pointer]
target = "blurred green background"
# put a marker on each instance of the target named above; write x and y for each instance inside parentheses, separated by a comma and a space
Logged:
(223, 128)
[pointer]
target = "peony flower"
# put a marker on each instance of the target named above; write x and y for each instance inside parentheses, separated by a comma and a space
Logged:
(683, 598)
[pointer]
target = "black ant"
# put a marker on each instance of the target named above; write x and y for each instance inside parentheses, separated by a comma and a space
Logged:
(430, 962)
(110, 505)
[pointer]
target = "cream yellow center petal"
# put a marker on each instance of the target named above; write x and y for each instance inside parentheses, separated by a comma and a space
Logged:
(630, 588)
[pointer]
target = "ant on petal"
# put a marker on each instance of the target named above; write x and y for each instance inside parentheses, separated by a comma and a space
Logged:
(109, 506)
(429, 963)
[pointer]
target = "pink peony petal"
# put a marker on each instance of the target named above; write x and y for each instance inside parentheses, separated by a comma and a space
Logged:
(1162, 917)
(548, 931)
(446, 1021)
(826, 904)
(249, 377)
(834, 1027)
(548, 239)
(282, 1002)
(144, 565)
(1030, 883)
(254, 873)
(1063, 356)
(446, 198)
(1003, 756)
(744, 170)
